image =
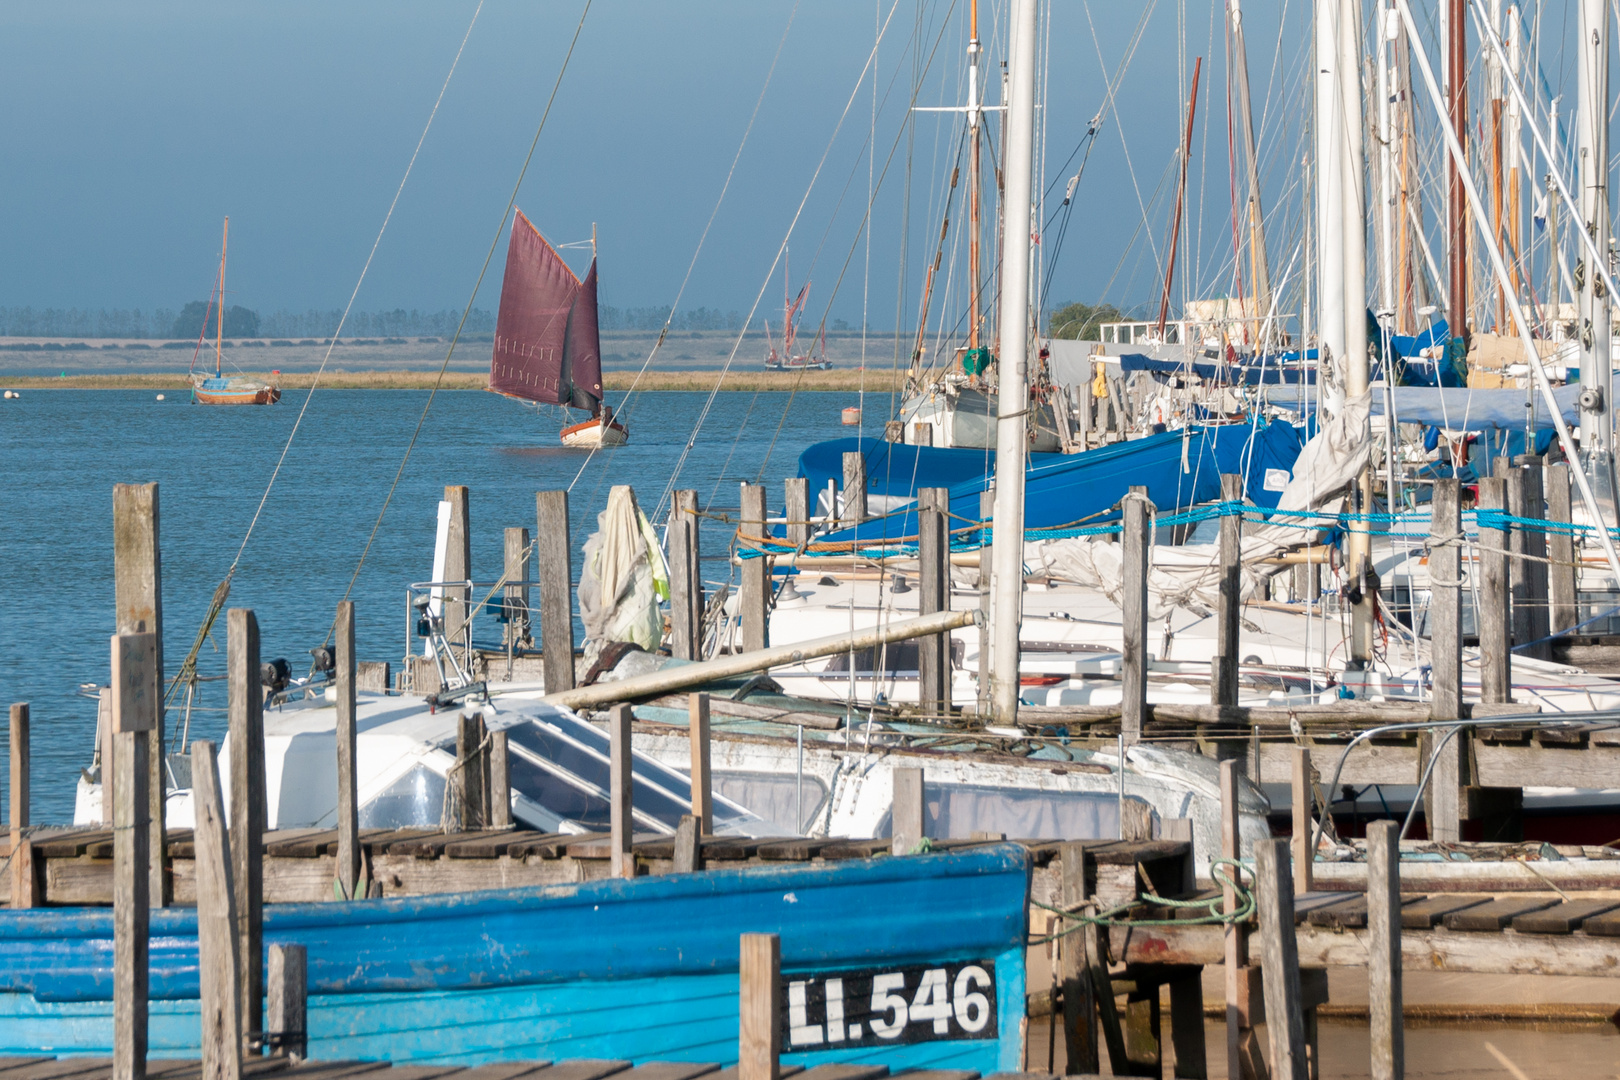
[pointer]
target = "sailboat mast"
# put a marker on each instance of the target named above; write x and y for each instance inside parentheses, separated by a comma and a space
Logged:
(1329, 208)
(1456, 205)
(219, 330)
(974, 193)
(1592, 74)
(1259, 267)
(1387, 30)
(1181, 198)
(1359, 546)
(1007, 555)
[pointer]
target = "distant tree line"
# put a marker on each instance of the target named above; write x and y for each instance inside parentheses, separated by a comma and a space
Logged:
(1080, 321)
(166, 323)
(652, 318)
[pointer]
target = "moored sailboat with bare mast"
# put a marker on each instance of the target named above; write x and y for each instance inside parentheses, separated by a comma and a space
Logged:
(219, 388)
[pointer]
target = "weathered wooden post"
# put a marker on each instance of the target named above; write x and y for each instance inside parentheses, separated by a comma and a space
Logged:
(134, 712)
(287, 1022)
(1384, 950)
(1279, 958)
(555, 558)
(796, 509)
(517, 596)
(1495, 609)
(348, 803)
(934, 594)
(138, 600)
(1518, 540)
(894, 431)
(457, 564)
(471, 785)
(1223, 688)
(854, 488)
(500, 781)
(759, 1027)
(248, 811)
(756, 572)
(619, 763)
(1242, 1050)
(1561, 598)
(688, 856)
(1533, 566)
(1079, 1003)
(1133, 611)
(1304, 853)
(219, 966)
(684, 616)
(23, 873)
(697, 712)
(1445, 599)
(987, 511)
(922, 433)
(908, 814)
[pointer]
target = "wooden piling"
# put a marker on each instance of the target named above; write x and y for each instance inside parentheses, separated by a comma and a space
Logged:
(457, 565)
(934, 594)
(854, 488)
(1384, 950)
(759, 1013)
(684, 617)
(622, 824)
(697, 712)
(1133, 611)
(219, 967)
(287, 1019)
(688, 845)
(1518, 567)
(348, 803)
(500, 781)
(1302, 804)
(554, 554)
(756, 572)
(796, 509)
(23, 875)
(922, 433)
(1223, 683)
(249, 814)
(1079, 1003)
(1241, 1043)
(1443, 798)
(1561, 596)
(894, 431)
(471, 784)
(138, 600)
(987, 512)
(1445, 598)
(1494, 610)
(134, 713)
(516, 553)
(908, 815)
(1279, 957)
(1533, 566)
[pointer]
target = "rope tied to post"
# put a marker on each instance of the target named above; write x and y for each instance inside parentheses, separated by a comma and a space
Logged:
(1114, 916)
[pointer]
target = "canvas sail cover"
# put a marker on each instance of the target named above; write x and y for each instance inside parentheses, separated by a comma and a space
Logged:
(546, 346)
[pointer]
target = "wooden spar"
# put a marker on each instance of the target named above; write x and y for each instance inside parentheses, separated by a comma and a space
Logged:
(759, 1025)
(134, 707)
(219, 968)
(1181, 196)
(554, 554)
(348, 802)
(138, 599)
(908, 816)
(698, 736)
(689, 675)
(248, 811)
(1456, 196)
(620, 791)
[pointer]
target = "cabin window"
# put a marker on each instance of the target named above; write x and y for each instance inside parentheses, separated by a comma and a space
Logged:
(414, 800)
(774, 797)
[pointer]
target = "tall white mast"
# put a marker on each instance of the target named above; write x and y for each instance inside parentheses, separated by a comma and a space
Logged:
(1354, 222)
(1388, 27)
(1329, 206)
(1592, 74)
(1007, 554)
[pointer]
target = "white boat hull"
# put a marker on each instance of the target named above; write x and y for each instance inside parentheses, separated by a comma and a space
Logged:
(595, 433)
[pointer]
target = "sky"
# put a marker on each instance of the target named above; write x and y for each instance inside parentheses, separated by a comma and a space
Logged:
(131, 130)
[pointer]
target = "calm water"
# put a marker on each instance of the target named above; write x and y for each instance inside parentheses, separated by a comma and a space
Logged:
(61, 452)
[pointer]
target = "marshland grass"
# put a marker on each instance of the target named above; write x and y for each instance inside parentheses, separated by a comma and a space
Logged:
(846, 379)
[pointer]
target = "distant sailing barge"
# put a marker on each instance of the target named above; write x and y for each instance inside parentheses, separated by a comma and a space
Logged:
(219, 388)
(547, 347)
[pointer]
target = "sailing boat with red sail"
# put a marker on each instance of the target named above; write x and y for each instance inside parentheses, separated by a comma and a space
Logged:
(547, 348)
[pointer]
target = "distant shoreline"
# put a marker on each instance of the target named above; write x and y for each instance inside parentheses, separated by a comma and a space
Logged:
(753, 380)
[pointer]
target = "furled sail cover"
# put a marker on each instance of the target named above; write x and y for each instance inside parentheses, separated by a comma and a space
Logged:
(540, 307)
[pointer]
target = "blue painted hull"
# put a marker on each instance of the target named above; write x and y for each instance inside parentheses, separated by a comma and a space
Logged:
(639, 970)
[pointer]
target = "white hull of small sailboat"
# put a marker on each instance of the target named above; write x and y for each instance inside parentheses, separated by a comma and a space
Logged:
(594, 433)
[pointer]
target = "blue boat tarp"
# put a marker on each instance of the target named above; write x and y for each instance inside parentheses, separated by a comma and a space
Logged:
(1269, 371)
(1179, 469)
(1460, 408)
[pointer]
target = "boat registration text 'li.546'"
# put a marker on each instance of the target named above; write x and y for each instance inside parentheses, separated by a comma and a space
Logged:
(889, 1005)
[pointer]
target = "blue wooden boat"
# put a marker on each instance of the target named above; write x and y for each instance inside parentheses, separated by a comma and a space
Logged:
(908, 962)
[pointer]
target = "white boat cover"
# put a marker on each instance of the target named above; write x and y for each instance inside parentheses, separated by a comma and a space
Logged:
(624, 578)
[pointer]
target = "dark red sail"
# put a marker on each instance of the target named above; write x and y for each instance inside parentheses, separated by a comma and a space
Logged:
(540, 334)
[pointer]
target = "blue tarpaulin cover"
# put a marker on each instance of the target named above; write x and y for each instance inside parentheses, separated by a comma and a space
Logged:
(1460, 407)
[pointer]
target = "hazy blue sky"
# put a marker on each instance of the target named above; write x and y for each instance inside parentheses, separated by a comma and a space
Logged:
(130, 130)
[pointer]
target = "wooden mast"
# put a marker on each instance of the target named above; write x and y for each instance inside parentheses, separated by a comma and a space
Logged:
(219, 331)
(1181, 195)
(1456, 210)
